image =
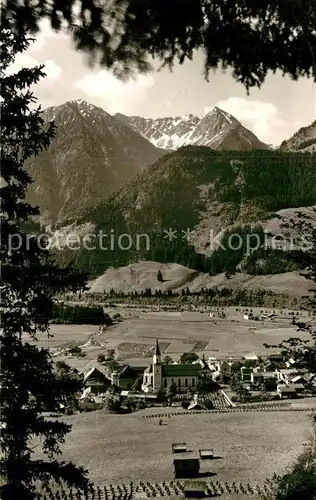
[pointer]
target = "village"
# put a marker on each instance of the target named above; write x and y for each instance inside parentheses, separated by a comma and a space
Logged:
(192, 379)
(197, 384)
(183, 399)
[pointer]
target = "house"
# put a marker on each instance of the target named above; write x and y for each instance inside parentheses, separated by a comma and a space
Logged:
(196, 404)
(159, 375)
(251, 357)
(248, 316)
(290, 391)
(286, 374)
(277, 358)
(286, 392)
(126, 376)
(97, 380)
(138, 396)
(247, 374)
(89, 401)
(290, 362)
(261, 376)
(299, 388)
(300, 379)
(213, 364)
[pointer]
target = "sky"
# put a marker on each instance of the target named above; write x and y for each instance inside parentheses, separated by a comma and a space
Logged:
(273, 113)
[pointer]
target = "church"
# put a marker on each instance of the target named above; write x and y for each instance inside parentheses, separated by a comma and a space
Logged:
(160, 375)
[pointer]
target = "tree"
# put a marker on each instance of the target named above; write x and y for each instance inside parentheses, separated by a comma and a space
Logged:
(161, 396)
(171, 392)
(159, 276)
(113, 365)
(300, 482)
(30, 279)
(110, 355)
(167, 360)
(273, 35)
(270, 384)
(112, 404)
(241, 391)
(188, 357)
(101, 358)
(206, 385)
(137, 384)
(225, 372)
(303, 352)
(74, 380)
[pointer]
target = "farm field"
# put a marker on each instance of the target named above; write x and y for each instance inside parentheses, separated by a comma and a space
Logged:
(124, 448)
(178, 332)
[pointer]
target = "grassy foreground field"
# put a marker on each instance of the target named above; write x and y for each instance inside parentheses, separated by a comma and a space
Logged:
(119, 449)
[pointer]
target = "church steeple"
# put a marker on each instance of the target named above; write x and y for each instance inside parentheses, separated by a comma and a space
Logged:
(157, 355)
(157, 350)
(157, 369)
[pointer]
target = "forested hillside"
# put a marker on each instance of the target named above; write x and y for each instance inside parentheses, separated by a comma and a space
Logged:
(195, 183)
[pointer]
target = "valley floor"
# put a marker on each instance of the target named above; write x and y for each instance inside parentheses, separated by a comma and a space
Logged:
(178, 332)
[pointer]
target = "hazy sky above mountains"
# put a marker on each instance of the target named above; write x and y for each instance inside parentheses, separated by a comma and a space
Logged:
(273, 113)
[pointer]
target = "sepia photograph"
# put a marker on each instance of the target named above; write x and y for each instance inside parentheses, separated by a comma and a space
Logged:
(158, 249)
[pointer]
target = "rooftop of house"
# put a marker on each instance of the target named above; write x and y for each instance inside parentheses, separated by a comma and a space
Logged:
(129, 372)
(136, 395)
(98, 371)
(297, 386)
(291, 388)
(268, 374)
(287, 371)
(197, 404)
(300, 377)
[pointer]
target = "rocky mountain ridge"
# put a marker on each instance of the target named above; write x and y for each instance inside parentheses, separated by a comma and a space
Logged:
(92, 155)
(304, 140)
(217, 130)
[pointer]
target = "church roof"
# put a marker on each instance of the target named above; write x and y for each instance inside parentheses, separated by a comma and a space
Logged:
(149, 369)
(181, 370)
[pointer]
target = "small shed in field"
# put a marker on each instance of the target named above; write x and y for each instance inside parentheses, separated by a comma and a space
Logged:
(206, 454)
(179, 447)
(186, 465)
(195, 489)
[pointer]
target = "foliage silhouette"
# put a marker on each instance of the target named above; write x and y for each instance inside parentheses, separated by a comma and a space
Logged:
(29, 281)
(123, 34)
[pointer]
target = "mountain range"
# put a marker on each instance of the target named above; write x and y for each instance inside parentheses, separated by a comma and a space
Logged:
(217, 130)
(104, 172)
(94, 154)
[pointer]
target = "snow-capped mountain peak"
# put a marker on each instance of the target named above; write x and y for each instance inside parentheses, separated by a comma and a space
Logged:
(217, 129)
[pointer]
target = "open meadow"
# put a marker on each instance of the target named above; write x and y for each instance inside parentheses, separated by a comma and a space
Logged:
(124, 448)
